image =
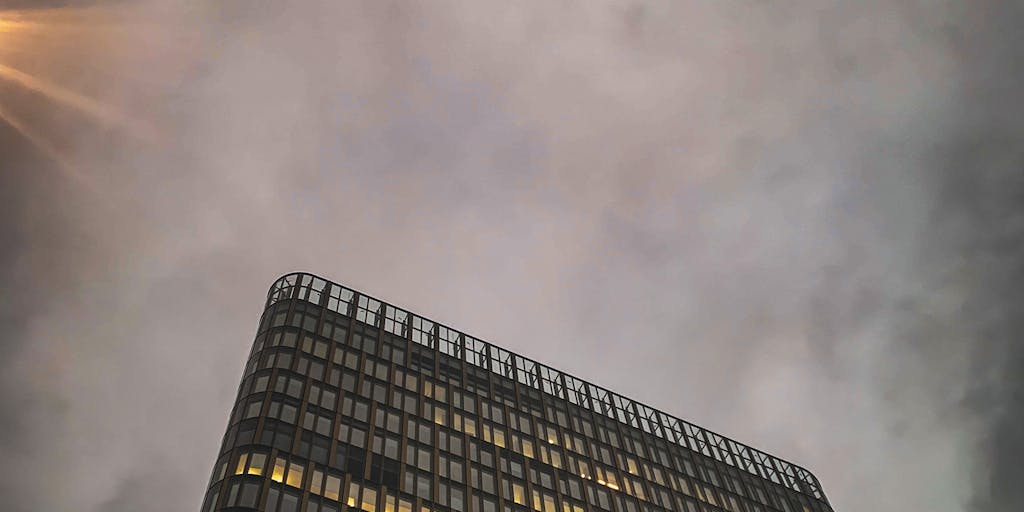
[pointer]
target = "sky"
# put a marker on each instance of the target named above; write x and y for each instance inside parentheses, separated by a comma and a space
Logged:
(798, 224)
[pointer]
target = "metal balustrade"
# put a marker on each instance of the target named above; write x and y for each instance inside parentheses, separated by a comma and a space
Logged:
(473, 351)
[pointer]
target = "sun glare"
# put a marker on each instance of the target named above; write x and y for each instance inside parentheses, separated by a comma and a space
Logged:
(32, 40)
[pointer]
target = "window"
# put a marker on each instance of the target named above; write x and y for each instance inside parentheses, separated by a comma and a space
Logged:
(353, 494)
(332, 488)
(257, 463)
(261, 384)
(211, 501)
(515, 490)
(294, 475)
(544, 502)
(279, 467)
(482, 479)
(369, 503)
(289, 502)
(283, 411)
(243, 493)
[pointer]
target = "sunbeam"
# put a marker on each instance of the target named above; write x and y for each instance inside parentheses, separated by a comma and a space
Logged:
(98, 111)
(45, 147)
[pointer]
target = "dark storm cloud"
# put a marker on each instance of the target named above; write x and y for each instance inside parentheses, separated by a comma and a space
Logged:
(975, 245)
(979, 218)
(808, 215)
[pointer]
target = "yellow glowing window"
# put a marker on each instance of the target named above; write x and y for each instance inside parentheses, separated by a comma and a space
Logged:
(638, 490)
(316, 485)
(404, 506)
(552, 435)
(549, 504)
(470, 426)
(528, 448)
(440, 415)
(353, 494)
(518, 494)
(631, 466)
(333, 488)
(556, 459)
(369, 500)
(610, 478)
(241, 464)
(278, 474)
(536, 501)
(499, 438)
(584, 470)
(294, 475)
(257, 463)
(389, 504)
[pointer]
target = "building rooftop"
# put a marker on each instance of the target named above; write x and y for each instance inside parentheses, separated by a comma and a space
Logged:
(527, 372)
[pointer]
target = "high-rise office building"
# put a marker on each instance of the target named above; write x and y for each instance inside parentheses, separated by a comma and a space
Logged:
(350, 403)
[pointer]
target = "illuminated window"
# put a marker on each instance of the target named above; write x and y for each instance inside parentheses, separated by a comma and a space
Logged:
(278, 474)
(332, 488)
(630, 464)
(528, 448)
(294, 475)
(240, 468)
(584, 469)
(369, 503)
(518, 494)
(316, 484)
(257, 463)
(353, 494)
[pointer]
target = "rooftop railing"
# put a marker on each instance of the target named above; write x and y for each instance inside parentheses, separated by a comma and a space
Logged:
(428, 333)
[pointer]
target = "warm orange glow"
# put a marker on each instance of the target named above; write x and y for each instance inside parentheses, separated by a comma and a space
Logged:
(96, 110)
(333, 488)
(295, 475)
(256, 464)
(28, 36)
(369, 500)
(278, 474)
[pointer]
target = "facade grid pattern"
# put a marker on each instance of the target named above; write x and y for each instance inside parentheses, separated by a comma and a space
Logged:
(350, 403)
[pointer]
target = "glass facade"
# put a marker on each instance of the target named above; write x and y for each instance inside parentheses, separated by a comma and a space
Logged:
(349, 403)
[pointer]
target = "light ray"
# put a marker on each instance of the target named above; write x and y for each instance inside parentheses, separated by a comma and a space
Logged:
(100, 112)
(46, 148)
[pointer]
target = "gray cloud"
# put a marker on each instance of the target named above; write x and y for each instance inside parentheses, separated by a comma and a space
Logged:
(807, 216)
